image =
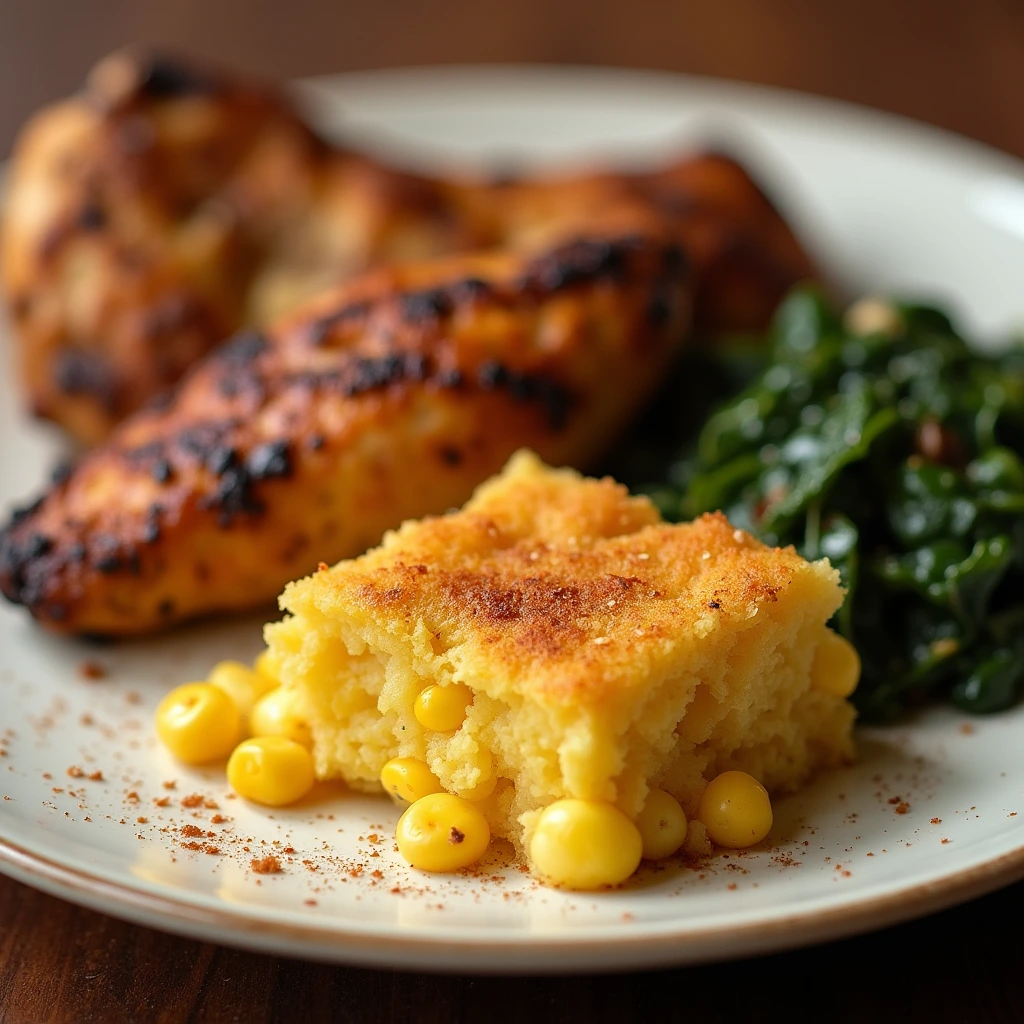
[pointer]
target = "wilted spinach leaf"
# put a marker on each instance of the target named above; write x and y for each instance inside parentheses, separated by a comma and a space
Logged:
(885, 443)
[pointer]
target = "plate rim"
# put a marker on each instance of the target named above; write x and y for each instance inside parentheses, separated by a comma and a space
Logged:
(522, 954)
(804, 102)
(582, 952)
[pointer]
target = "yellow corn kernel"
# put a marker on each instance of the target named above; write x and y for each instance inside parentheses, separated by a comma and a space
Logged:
(736, 810)
(408, 779)
(240, 683)
(442, 708)
(585, 844)
(276, 714)
(481, 791)
(268, 666)
(198, 722)
(662, 825)
(836, 666)
(442, 832)
(271, 770)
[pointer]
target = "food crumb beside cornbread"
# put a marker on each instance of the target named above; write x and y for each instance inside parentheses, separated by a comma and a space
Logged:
(268, 865)
(554, 653)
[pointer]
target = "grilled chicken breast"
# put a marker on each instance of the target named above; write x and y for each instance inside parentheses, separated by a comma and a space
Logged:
(165, 207)
(140, 213)
(390, 398)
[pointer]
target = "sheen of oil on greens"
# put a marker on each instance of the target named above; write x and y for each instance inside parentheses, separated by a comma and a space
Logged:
(883, 441)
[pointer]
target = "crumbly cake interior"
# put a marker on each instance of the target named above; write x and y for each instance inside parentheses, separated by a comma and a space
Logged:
(607, 651)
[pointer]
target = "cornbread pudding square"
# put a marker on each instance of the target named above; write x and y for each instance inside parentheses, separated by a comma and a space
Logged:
(607, 652)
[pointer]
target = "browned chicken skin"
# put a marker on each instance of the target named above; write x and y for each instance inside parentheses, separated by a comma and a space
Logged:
(151, 216)
(163, 208)
(391, 398)
(186, 206)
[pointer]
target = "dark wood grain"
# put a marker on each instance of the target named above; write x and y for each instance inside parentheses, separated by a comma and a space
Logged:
(957, 65)
(64, 964)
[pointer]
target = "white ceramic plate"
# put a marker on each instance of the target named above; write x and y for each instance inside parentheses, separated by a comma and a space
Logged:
(928, 817)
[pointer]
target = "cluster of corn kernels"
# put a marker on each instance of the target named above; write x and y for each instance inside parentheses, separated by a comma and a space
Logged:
(588, 844)
(244, 715)
(579, 844)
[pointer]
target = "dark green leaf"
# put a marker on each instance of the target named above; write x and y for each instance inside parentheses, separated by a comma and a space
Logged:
(993, 685)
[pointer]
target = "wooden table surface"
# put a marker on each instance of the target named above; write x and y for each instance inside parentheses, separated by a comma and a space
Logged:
(957, 65)
(61, 963)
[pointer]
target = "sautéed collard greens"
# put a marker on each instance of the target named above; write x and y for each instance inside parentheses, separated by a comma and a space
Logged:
(884, 442)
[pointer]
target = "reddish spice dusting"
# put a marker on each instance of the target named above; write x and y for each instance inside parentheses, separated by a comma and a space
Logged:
(902, 807)
(266, 866)
(288, 849)
(192, 800)
(967, 728)
(75, 772)
(456, 836)
(132, 796)
(310, 903)
(162, 801)
(191, 830)
(91, 670)
(202, 848)
(142, 821)
(218, 819)
(96, 776)
(170, 784)
(731, 885)
(210, 804)
(936, 821)
(944, 841)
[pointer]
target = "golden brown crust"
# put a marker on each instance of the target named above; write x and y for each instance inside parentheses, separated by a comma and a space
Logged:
(164, 208)
(392, 397)
(561, 583)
